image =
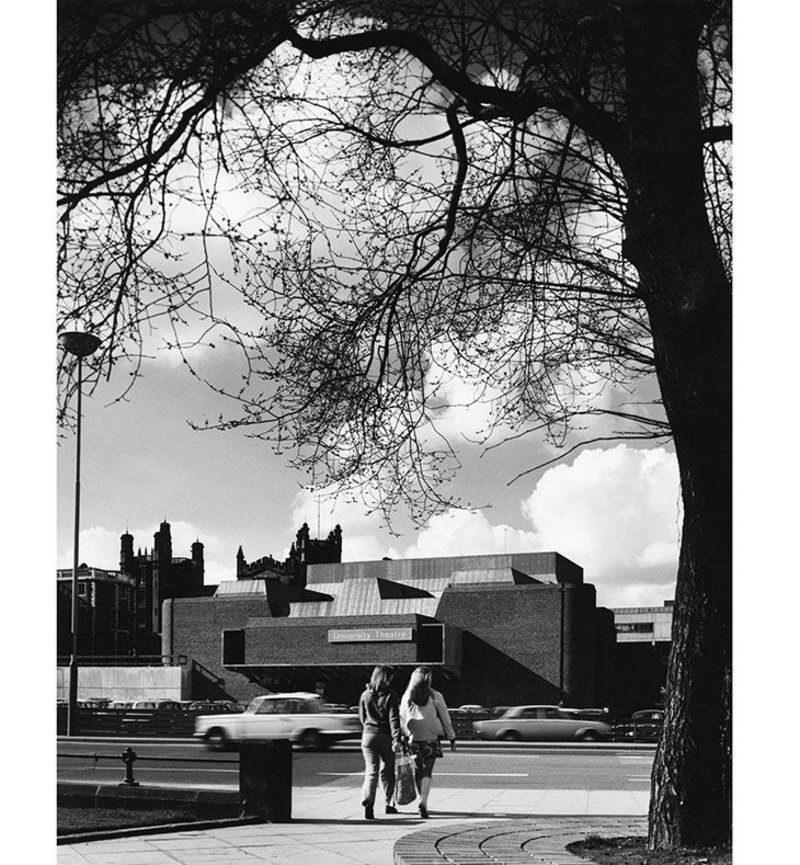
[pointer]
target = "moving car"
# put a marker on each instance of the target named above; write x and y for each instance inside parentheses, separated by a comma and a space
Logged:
(300, 717)
(541, 724)
(471, 709)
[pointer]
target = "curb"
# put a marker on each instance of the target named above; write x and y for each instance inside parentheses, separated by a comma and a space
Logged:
(155, 829)
(91, 794)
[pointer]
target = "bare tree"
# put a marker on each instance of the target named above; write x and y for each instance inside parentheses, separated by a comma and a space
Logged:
(534, 196)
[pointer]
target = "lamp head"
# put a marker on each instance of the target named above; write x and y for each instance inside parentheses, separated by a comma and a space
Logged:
(79, 343)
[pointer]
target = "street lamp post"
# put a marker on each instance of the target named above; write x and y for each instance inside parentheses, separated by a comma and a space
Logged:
(81, 345)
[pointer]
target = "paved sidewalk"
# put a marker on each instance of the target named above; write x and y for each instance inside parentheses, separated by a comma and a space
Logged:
(328, 828)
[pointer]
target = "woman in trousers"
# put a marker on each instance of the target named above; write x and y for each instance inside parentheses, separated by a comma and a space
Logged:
(424, 718)
(378, 709)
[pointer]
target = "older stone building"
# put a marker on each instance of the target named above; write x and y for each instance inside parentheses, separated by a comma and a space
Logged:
(157, 575)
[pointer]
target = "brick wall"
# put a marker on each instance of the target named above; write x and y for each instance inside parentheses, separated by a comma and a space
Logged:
(193, 627)
(512, 643)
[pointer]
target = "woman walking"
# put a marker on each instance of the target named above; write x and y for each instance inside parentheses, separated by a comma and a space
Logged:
(378, 710)
(424, 717)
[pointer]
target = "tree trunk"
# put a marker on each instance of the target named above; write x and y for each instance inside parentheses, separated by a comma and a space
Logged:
(687, 294)
(691, 791)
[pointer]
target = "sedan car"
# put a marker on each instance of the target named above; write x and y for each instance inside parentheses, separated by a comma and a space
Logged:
(540, 724)
(209, 707)
(642, 726)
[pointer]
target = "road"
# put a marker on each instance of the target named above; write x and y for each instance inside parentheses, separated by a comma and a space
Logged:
(186, 763)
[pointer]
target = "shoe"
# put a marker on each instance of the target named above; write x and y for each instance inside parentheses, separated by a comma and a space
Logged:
(369, 812)
(390, 809)
(423, 812)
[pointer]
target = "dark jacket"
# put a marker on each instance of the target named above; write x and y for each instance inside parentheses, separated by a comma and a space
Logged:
(379, 711)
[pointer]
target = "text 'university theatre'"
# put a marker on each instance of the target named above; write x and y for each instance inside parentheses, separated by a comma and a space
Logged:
(504, 628)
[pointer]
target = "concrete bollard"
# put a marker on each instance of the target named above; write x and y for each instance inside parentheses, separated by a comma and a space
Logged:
(265, 779)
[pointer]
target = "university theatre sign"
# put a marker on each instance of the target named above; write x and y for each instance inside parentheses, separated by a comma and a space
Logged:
(370, 635)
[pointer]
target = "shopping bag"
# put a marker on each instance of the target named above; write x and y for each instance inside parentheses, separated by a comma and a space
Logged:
(405, 785)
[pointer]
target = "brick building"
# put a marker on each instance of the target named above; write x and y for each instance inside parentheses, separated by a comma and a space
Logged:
(106, 611)
(498, 629)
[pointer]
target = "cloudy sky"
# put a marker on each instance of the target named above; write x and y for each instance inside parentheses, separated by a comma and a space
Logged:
(614, 510)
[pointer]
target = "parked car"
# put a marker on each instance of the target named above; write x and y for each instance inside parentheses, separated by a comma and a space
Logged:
(92, 704)
(173, 705)
(540, 724)
(210, 707)
(648, 715)
(301, 717)
(119, 704)
(471, 709)
(643, 725)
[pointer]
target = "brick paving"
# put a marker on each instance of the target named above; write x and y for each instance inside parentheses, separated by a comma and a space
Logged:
(533, 841)
(328, 828)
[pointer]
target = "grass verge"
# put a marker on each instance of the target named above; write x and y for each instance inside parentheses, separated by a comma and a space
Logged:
(73, 820)
(633, 851)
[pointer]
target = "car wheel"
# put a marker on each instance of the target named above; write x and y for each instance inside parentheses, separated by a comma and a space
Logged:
(216, 739)
(589, 736)
(311, 740)
(511, 736)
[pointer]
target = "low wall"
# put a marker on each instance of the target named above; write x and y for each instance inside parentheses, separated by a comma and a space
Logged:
(128, 683)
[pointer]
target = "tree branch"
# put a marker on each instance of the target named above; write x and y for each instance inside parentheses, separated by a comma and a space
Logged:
(517, 105)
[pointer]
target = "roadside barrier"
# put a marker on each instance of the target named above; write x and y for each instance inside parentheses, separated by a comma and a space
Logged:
(129, 722)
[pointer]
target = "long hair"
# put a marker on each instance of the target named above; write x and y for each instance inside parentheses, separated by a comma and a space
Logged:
(381, 679)
(418, 691)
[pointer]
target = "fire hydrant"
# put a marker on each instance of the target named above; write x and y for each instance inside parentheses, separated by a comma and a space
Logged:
(128, 756)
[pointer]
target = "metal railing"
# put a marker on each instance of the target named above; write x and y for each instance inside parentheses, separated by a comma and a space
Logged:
(128, 757)
(125, 660)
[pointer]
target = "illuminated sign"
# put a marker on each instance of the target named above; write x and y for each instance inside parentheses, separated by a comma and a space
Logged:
(370, 635)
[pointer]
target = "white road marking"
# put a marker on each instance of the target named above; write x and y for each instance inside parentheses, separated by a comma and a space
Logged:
(158, 769)
(495, 755)
(440, 774)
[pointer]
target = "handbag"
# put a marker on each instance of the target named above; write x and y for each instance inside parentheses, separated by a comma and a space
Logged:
(405, 784)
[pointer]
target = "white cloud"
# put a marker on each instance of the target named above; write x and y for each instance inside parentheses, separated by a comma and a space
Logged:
(635, 595)
(614, 512)
(458, 532)
(97, 547)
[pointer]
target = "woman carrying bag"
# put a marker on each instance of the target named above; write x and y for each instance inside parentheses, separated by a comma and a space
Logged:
(380, 738)
(424, 718)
